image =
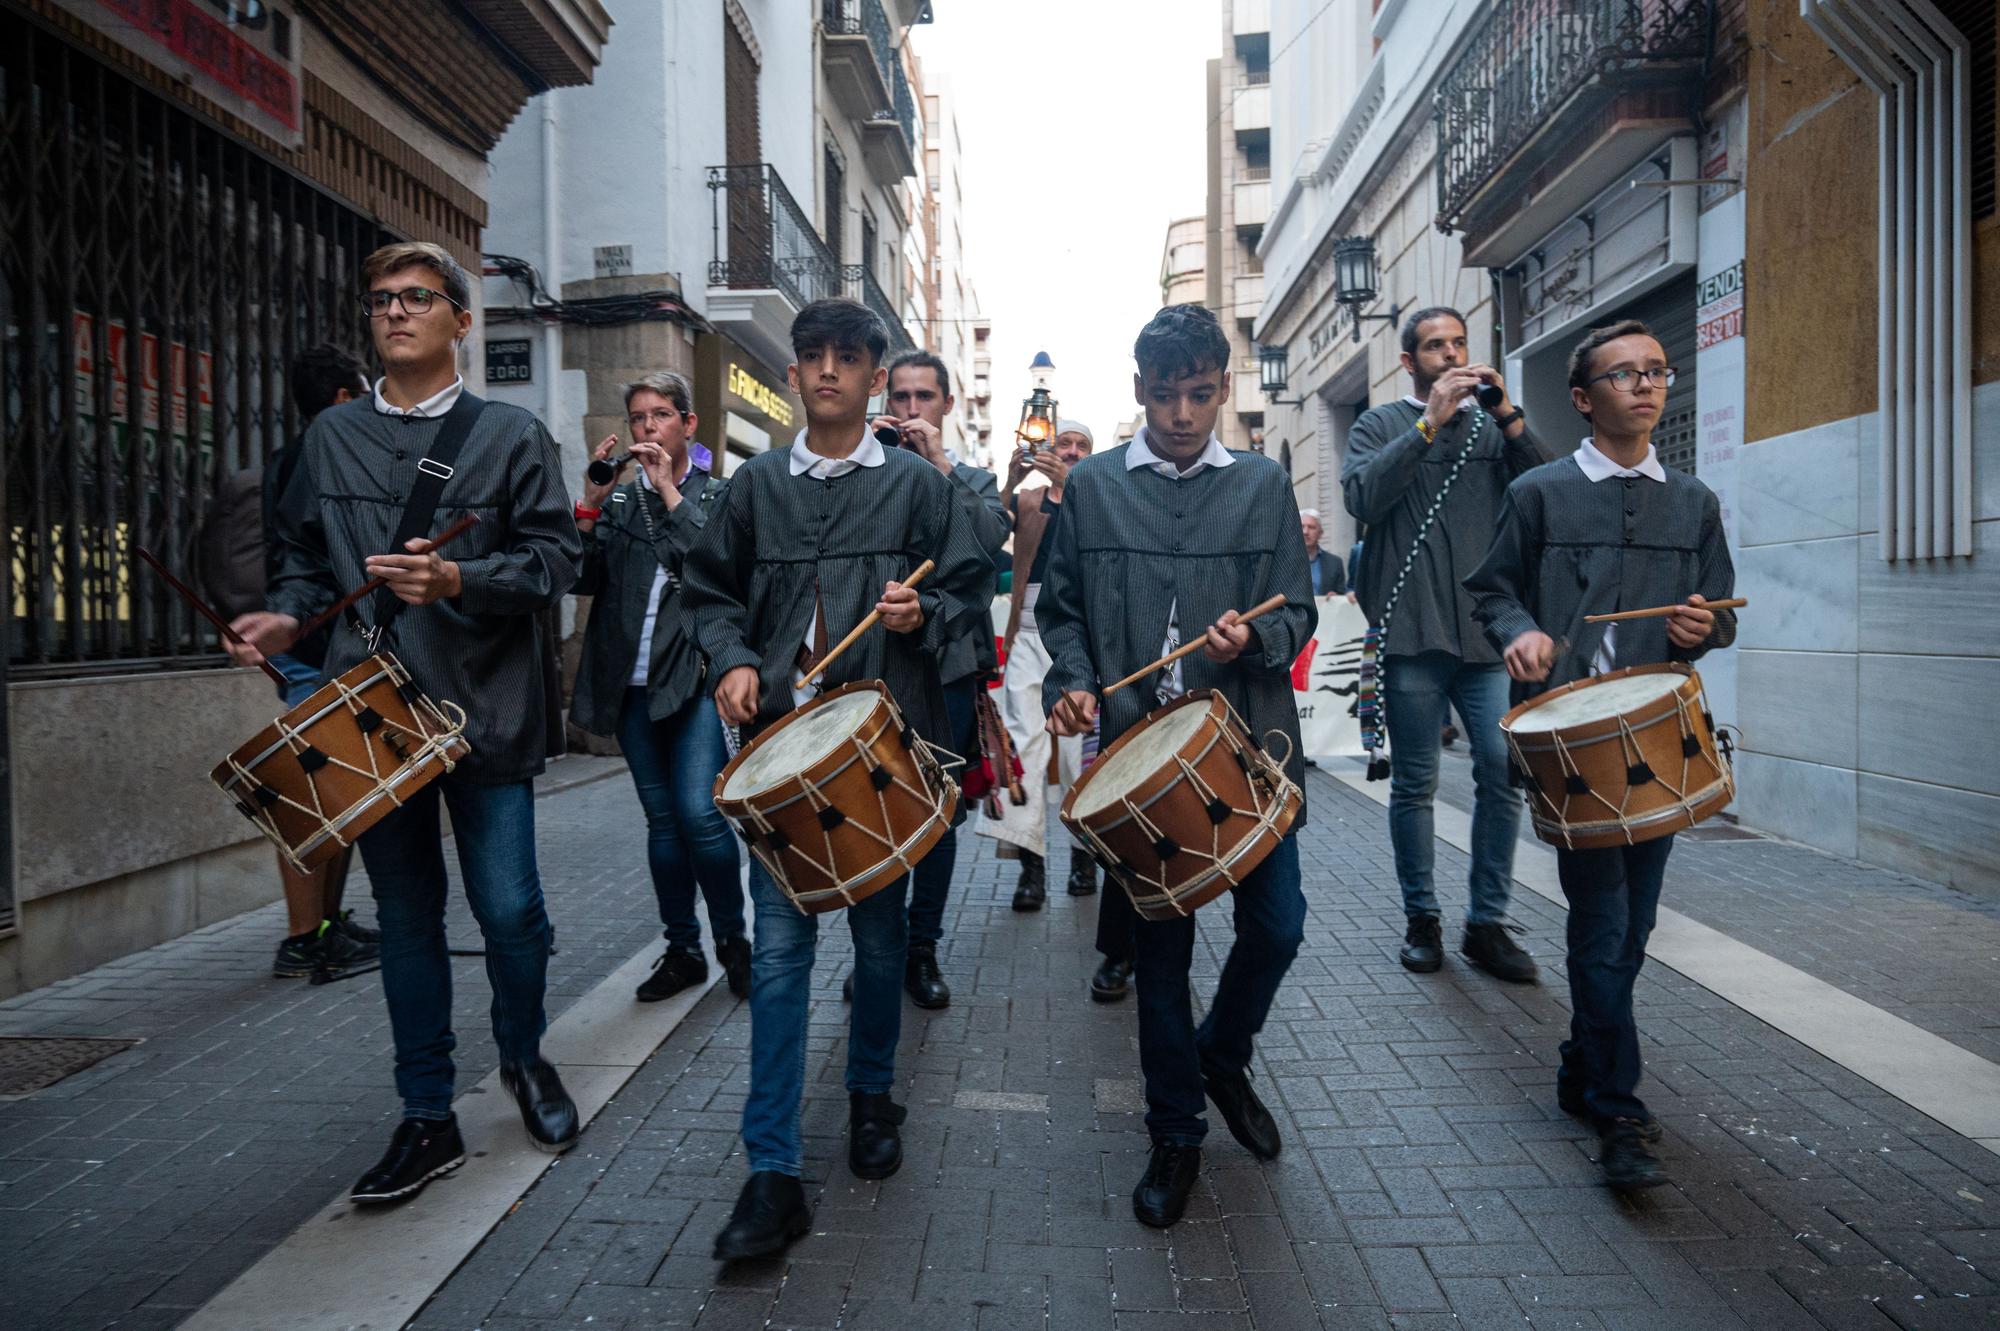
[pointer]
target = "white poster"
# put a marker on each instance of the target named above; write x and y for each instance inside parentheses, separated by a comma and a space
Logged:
(1326, 680)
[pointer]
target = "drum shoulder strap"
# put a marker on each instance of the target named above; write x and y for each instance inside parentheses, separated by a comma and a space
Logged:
(434, 469)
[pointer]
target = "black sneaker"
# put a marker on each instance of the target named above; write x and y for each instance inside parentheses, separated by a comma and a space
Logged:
(1033, 889)
(329, 954)
(1423, 945)
(1249, 1121)
(677, 968)
(1162, 1194)
(1082, 874)
(1488, 947)
(1629, 1164)
(421, 1150)
(922, 980)
(734, 954)
(1571, 1102)
(360, 933)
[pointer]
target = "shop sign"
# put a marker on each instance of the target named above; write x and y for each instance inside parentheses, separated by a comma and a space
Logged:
(186, 38)
(758, 395)
(118, 366)
(1718, 314)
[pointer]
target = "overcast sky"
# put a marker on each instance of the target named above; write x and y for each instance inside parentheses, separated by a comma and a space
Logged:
(1083, 125)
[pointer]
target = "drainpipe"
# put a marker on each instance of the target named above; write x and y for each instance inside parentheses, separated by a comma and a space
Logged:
(551, 259)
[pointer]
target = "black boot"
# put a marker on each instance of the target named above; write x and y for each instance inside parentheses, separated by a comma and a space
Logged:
(1423, 945)
(546, 1109)
(1082, 874)
(734, 954)
(1249, 1122)
(1162, 1193)
(1629, 1164)
(921, 980)
(1488, 947)
(678, 968)
(1033, 889)
(1112, 981)
(421, 1150)
(770, 1212)
(874, 1146)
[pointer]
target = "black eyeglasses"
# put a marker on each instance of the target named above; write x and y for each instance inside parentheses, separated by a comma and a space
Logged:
(414, 300)
(1627, 381)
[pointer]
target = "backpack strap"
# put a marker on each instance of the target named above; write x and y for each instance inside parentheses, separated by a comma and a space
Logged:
(433, 470)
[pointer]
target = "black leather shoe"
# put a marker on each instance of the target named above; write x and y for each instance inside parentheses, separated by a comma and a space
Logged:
(1488, 947)
(922, 980)
(1112, 982)
(874, 1146)
(1423, 945)
(1033, 889)
(734, 954)
(1249, 1122)
(770, 1212)
(1082, 874)
(1162, 1194)
(421, 1150)
(677, 969)
(1629, 1164)
(1571, 1103)
(546, 1109)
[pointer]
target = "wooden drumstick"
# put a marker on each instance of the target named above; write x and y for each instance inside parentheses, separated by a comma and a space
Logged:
(459, 528)
(1196, 644)
(205, 611)
(1662, 611)
(917, 575)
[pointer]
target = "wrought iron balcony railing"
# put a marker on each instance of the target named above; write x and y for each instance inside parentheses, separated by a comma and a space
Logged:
(904, 111)
(862, 286)
(1529, 61)
(864, 18)
(763, 239)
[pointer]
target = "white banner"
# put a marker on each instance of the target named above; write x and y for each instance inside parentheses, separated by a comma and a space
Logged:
(1326, 680)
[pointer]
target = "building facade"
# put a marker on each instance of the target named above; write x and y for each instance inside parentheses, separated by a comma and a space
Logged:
(1184, 262)
(180, 235)
(952, 322)
(1239, 204)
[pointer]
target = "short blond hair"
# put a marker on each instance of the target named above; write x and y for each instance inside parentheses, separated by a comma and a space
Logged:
(421, 254)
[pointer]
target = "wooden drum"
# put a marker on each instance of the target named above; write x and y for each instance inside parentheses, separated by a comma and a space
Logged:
(1620, 758)
(335, 765)
(1182, 806)
(838, 799)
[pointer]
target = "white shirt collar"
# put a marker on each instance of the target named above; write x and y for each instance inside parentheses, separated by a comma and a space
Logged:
(803, 461)
(1139, 453)
(437, 404)
(1601, 468)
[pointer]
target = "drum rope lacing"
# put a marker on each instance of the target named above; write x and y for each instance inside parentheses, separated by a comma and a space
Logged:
(931, 771)
(1372, 707)
(1271, 791)
(295, 742)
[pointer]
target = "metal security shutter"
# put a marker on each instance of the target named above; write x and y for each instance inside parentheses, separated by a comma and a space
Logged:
(1669, 312)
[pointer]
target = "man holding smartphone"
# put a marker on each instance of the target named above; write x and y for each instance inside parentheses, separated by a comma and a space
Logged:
(1426, 474)
(919, 398)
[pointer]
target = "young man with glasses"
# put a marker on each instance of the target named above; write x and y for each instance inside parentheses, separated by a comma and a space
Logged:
(465, 629)
(1607, 528)
(1425, 474)
(641, 676)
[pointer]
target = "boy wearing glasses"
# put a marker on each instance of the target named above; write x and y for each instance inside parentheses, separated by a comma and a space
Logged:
(641, 675)
(464, 628)
(1607, 528)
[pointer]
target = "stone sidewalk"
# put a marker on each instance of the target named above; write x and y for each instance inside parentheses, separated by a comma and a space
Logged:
(1428, 1181)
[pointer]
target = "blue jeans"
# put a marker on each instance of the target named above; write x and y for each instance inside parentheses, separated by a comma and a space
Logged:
(688, 841)
(781, 1002)
(300, 679)
(495, 830)
(1270, 923)
(930, 882)
(1614, 897)
(1419, 689)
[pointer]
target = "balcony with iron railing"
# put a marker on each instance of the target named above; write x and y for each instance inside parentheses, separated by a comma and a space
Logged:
(862, 286)
(1533, 69)
(763, 240)
(889, 135)
(857, 51)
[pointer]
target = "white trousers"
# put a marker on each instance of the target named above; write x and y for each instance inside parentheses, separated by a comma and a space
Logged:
(1026, 825)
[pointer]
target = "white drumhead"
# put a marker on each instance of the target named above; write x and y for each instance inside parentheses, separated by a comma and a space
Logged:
(783, 754)
(1142, 755)
(1614, 697)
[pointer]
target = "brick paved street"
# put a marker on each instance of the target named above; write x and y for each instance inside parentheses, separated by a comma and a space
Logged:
(1428, 1181)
